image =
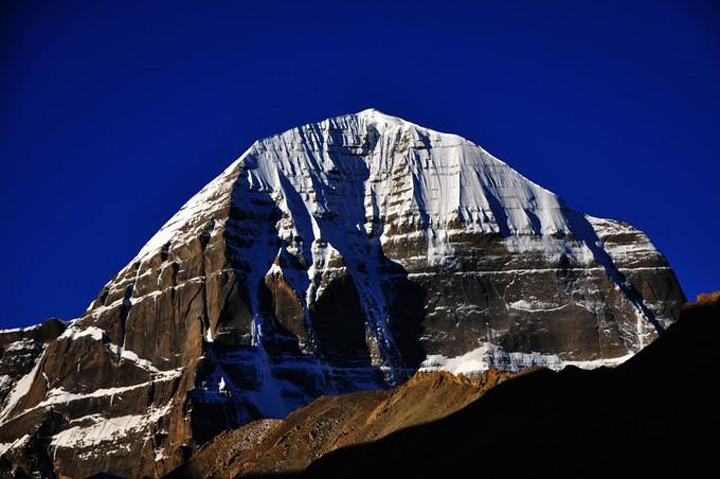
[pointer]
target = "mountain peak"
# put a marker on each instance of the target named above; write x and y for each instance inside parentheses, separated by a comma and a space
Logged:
(380, 119)
(445, 179)
(374, 114)
(371, 112)
(337, 256)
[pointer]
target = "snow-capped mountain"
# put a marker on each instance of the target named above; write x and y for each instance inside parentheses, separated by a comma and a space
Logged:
(336, 256)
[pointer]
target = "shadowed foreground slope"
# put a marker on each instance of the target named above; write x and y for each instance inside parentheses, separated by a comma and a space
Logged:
(655, 416)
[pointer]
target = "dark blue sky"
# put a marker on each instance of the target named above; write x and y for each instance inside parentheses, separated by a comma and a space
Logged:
(112, 114)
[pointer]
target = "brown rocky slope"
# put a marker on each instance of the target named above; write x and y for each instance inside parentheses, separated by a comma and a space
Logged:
(332, 422)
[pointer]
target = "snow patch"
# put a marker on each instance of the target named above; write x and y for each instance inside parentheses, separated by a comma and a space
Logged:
(534, 306)
(22, 345)
(72, 333)
(550, 248)
(20, 390)
(8, 446)
(21, 330)
(103, 430)
(489, 356)
(159, 454)
(5, 380)
(131, 356)
(61, 396)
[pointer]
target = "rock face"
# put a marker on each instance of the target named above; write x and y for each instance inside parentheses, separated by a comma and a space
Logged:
(334, 257)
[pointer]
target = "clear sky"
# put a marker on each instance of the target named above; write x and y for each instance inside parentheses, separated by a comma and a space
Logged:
(112, 114)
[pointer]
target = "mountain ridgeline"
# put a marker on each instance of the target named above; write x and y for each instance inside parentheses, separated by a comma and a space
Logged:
(338, 256)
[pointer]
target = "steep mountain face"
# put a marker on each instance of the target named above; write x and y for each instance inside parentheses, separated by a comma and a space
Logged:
(334, 257)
